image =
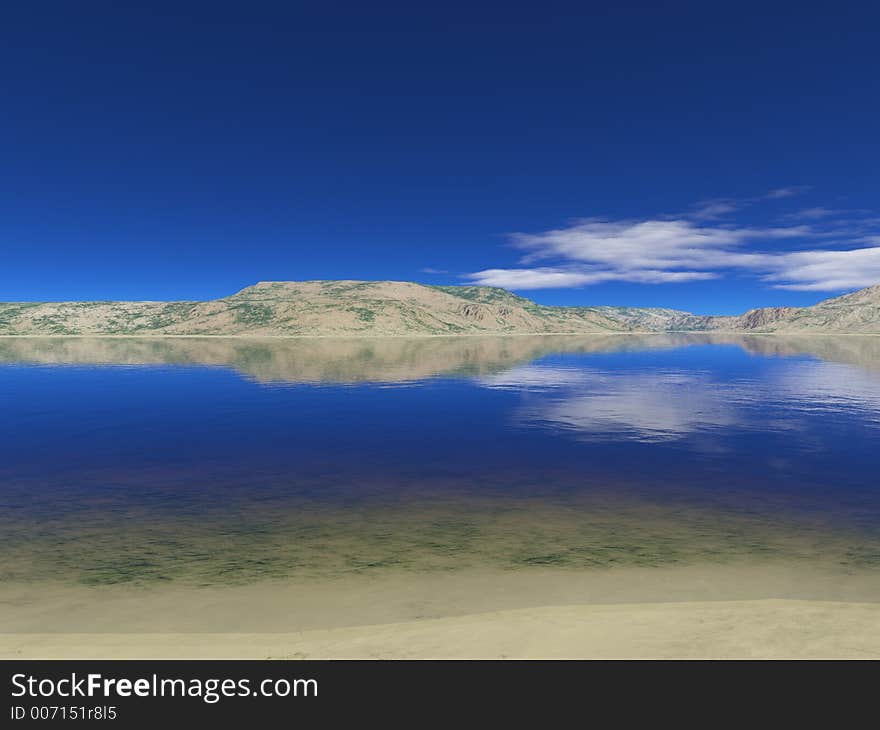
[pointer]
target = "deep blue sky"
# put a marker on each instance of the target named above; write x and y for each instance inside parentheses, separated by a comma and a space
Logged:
(186, 150)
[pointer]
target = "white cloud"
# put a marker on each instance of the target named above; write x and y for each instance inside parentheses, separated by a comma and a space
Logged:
(826, 270)
(551, 278)
(650, 244)
(533, 278)
(681, 249)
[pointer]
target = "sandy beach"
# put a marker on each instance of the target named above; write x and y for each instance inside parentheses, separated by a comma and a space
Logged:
(768, 629)
(747, 629)
(772, 611)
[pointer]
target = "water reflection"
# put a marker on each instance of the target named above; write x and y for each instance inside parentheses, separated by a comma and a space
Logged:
(670, 404)
(349, 360)
(640, 403)
(509, 453)
(646, 406)
(828, 385)
(306, 360)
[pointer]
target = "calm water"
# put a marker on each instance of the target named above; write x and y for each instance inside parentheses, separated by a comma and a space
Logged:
(215, 462)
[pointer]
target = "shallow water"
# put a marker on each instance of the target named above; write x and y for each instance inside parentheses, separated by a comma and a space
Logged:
(214, 462)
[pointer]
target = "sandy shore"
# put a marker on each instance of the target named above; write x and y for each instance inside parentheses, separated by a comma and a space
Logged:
(723, 629)
(709, 611)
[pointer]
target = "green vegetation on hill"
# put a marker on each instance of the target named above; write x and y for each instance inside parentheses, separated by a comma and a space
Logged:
(389, 308)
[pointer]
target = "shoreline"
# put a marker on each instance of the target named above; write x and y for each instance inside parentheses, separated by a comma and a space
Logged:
(758, 629)
(359, 336)
(781, 610)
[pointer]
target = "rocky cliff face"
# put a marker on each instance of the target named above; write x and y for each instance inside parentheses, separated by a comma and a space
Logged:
(390, 308)
(761, 318)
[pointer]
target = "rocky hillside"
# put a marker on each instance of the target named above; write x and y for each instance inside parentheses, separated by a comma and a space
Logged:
(858, 312)
(341, 308)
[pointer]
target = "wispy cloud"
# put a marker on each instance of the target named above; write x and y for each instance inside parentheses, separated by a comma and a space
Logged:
(811, 214)
(787, 192)
(716, 208)
(713, 209)
(695, 247)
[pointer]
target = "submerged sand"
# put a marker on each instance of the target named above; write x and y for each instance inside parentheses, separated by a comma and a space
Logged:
(447, 576)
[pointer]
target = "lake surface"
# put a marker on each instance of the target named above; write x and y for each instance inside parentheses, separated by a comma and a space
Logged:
(208, 462)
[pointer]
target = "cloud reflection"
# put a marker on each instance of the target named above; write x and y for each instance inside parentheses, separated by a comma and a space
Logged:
(664, 405)
(801, 375)
(643, 406)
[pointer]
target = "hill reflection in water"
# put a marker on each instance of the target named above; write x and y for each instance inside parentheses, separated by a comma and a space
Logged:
(352, 360)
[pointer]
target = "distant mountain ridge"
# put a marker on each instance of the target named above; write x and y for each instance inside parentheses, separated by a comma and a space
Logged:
(392, 308)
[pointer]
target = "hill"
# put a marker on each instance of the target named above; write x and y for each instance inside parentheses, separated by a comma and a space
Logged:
(328, 308)
(396, 308)
(858, 312)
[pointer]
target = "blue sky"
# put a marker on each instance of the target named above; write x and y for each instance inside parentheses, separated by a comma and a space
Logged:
(693, 155)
